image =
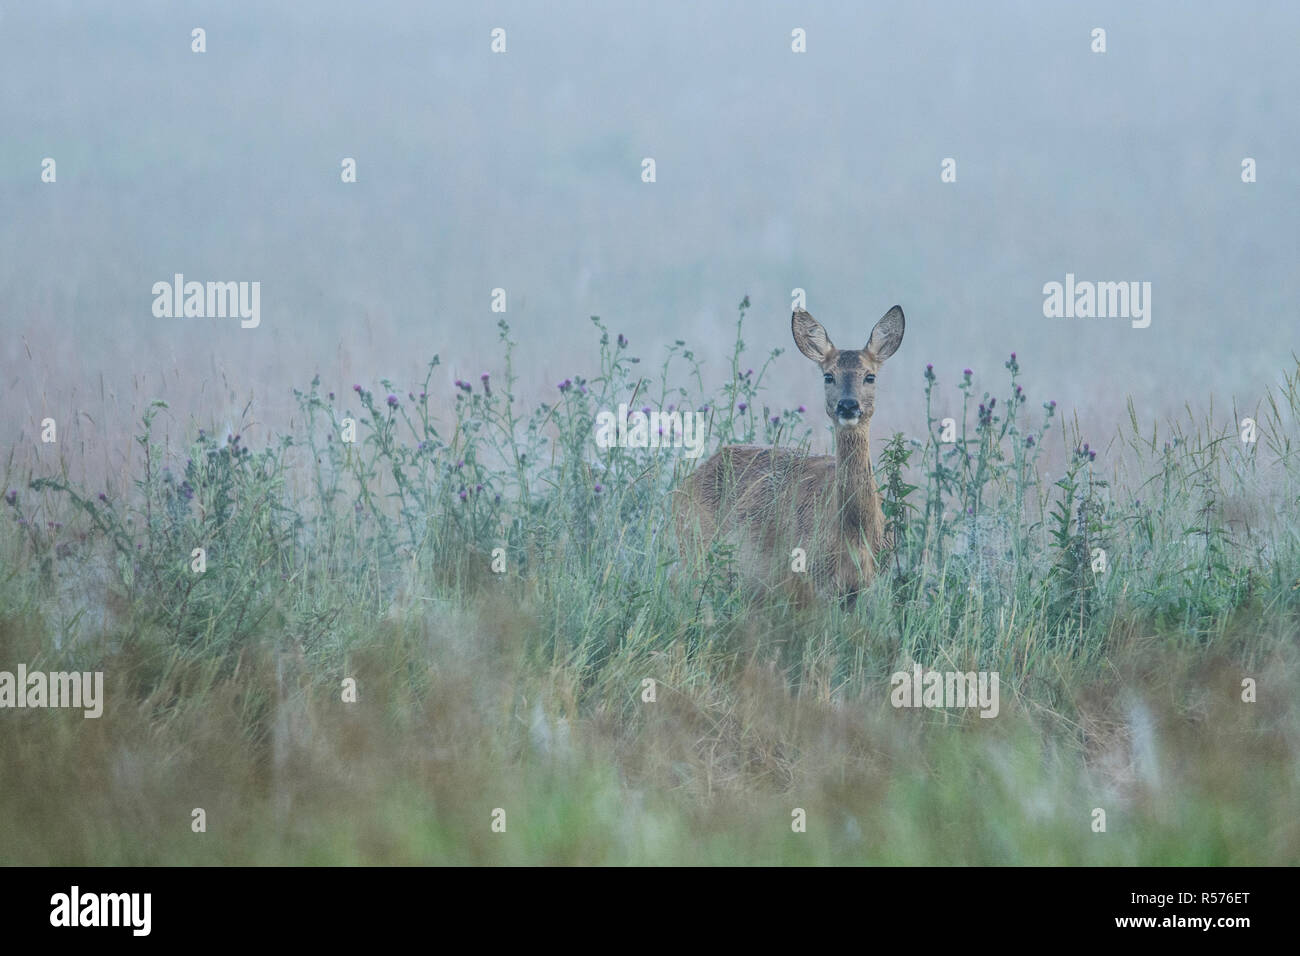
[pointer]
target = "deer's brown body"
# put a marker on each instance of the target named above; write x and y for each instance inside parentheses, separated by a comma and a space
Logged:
(766, 502)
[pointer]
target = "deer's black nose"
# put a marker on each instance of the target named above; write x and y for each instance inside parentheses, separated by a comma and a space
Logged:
(848, 407)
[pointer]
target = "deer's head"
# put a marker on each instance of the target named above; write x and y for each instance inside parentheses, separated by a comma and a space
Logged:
(849, 375)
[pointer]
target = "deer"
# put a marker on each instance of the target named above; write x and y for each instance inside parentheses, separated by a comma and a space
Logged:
(768, 502)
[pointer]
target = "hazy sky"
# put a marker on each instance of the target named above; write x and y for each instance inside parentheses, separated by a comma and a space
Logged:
(522, 170)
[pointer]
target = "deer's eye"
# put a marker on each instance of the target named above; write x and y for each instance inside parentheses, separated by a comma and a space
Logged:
(828, 378)
(870, 378)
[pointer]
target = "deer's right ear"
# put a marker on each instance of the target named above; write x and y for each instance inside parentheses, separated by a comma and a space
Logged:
(810, 336)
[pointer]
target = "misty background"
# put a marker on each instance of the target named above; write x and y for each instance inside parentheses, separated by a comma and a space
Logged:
(522, 170)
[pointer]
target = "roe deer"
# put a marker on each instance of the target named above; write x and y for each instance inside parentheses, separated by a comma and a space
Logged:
(769, 501)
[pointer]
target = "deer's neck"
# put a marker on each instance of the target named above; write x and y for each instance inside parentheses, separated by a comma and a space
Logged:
(856, 497)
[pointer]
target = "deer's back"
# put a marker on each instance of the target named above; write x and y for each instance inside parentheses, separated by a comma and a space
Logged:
(765, 500)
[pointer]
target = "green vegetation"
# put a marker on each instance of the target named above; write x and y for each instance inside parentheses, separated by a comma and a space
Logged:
(1121, 684)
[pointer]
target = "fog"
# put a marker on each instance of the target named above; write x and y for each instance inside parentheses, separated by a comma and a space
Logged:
(522, 170)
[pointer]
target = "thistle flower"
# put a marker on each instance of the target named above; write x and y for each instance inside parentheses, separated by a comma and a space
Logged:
(622, 340)
(599, 488)
(743, 407)
(392, 401)
(801, 410)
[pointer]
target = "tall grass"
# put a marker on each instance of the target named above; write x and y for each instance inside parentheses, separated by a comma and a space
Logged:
(501, 588)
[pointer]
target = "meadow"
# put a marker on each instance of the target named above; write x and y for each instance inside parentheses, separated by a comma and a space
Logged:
(500, 589)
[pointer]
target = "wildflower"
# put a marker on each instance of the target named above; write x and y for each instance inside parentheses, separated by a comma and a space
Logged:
(743, 407)
(1029, 442)
(776, 419)
(487, 385)
(11, 499)
(464, 495)
(331, 396)
(801, 409)
(599, 487)
(645, 410)
(565, 385)
(460, 464)
(103, 497)
(410, 396)
(357, 389)
(392, 401)
(478, 489)
(929, 372)
(622, 340)
(966, 373)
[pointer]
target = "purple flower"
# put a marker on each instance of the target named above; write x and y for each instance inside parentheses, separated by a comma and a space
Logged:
(599, 487)
(331, 396)
(743, 406)
(776, 419)
(103, 497)
(622, 340)
(966, 372)
(801, 409)
(464, 495)
(392, 401)
(460, 465)
(645, 410)
(565, 385)
(477, 489)
(11, 498)
(1029, 442)
(357, 389)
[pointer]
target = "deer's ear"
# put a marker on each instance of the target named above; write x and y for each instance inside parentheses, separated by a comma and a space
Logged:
(887, 336)
(810, 336)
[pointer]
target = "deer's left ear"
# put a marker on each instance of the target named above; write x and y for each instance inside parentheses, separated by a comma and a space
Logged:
(887, 336)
